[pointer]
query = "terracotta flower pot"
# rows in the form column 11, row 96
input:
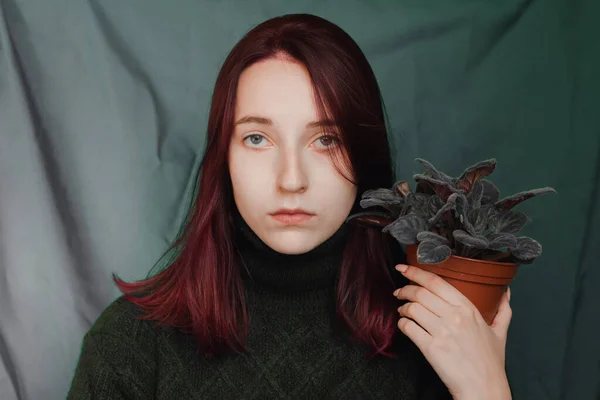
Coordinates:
column 482, row 282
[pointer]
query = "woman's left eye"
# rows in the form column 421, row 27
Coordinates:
column 326, row 141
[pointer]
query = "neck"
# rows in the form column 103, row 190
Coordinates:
column 309, row 276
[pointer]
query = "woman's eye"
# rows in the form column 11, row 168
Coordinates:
column 255, row 140
column 326, row 141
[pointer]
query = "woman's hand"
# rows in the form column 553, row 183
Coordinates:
column 466, row 353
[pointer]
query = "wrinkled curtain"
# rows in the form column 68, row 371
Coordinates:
column 103, row 106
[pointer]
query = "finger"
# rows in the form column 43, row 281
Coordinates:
column 422, row 316
column 418, row 335
column 502, row 319
column 434, row 283
column 423, row 296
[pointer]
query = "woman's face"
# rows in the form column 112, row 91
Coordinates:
column 278, row 160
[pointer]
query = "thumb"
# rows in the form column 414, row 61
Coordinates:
column 502, row 319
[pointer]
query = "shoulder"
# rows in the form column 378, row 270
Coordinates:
column 118, row 355
column 121, row 325
column 121, row 317
column 120, row 328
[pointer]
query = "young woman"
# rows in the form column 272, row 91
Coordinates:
column 268, row 293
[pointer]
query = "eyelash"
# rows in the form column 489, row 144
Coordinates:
column 334, row 139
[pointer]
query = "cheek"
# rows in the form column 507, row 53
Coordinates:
column 337, row 194
column 249, row 184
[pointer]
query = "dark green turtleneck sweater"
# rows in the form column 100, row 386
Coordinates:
column 293, row 351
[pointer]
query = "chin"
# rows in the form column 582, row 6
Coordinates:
column 293, row 243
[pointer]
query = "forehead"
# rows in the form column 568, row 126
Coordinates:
column 277, row 89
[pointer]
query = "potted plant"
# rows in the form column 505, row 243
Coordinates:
column 458, row 228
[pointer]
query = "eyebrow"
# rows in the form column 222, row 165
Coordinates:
column 267, row 121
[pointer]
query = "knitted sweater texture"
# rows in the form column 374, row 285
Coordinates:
column 294, row 349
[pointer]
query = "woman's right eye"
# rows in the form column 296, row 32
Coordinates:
column 255, row 140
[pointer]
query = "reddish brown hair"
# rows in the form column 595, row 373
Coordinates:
column 201, row 290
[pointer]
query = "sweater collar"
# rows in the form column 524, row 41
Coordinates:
column 294, row 274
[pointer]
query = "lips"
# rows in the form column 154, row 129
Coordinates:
column 292, row 216
column 292, row 211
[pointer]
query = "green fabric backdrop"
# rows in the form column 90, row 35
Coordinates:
column 103, row 107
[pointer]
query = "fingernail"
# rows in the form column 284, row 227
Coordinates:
column 396, row 292
column 401, row 267
column 508, row 293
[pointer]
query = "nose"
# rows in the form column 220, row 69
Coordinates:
column 292, row 176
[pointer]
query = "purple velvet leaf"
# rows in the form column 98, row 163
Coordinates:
column 371, row 218
column 430, row 252
column 502, row 241
column 435, row 204
column 385, row 198
column 478, row 221
column 441, row 188
column 449, row 206
column 474, row 173
column 508, row 222
column 418, row 203
column 402, row 188
column 432, row 172
column 394, row 209
column 382, row 194
column 431, row 237
column 475, row 195
column 420, row 200
column 509, row 202
column 425, row 188
column 462, row 211
column 491, row 194
column 405, row 229
column 478, row 242
column 527, row 248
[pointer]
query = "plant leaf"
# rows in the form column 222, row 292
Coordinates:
column 509, row 202
column 402, row 188
column 431, row 171
column 508, row 221
column 418, row 200
column 367, row 203
column 371, row 218
column 431, row 237
column 394, row 208
column 430, row 252
column 502, row 241
column 461, row 203
column 424, row 187
column 382, row 195
column 450, row 205
column 527, row 248
column 405, row 229
column 491, row 194
column 435, row 203
column 419, row 204
column 462, row 209
column 474, row 173
column 441, row 188
column 478, row 242
column 475, row 195
column 385, row 198
column 478, row 221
